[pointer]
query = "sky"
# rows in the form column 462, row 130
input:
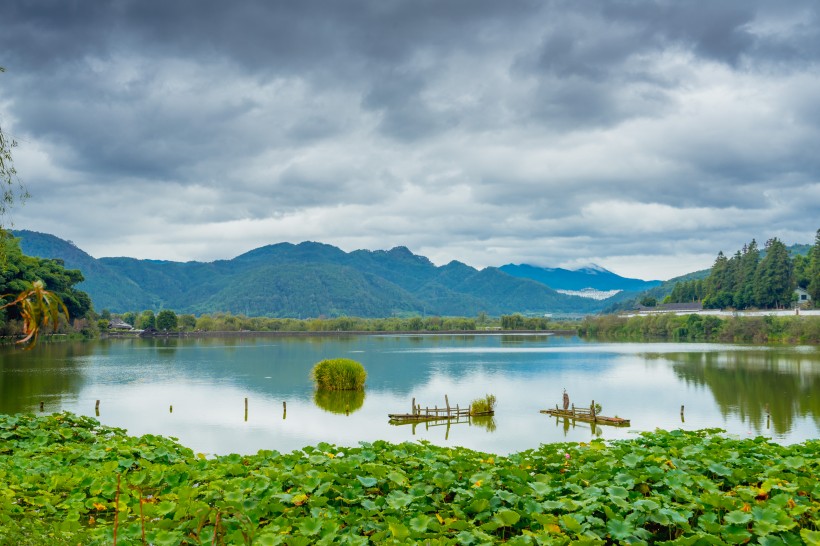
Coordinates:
column 642, row 136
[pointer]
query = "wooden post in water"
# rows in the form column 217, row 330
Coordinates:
column 573, row 410
column 682, row 420
column 171, row 409
column 41, row 406
column 246, row 409
column 97, row 408
column 768, row 417
column 284, row 410
column 413, row 404
column 447, row 402
column 592, row 410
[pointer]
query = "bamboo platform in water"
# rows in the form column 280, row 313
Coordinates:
column 587, row 415
column 436, row 413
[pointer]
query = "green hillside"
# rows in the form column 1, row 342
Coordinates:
column 306, row 280
column 107, row 288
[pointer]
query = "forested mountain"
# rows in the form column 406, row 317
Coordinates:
column 108, row 288
column 306, row 280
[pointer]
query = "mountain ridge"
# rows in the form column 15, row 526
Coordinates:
column 307, row 279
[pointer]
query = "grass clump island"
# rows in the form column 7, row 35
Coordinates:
column 338, row 374
column 483, row 405
column 68, row 480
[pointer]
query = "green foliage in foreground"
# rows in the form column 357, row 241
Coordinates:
column 66, row 479
column 338, row 374
column 669, row 327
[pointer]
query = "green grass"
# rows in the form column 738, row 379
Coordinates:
column 483, row 405
column 338, row 374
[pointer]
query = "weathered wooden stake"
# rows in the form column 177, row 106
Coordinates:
column 171, row 408
column 682, row 419
column 246, row 408
column 97, row 405
column 447, row 402
column 592, row 410
column 284, row 410
column 41, row 406
column 414, row 406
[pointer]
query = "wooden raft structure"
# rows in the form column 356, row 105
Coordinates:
column 588, row 415
column 435, row 413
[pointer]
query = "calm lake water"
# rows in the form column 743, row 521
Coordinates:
column 207, row 380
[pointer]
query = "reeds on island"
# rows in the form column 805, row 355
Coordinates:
column 483, row 405
column 338, row 374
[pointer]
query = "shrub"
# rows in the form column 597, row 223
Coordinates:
column 483, row 405
column 338, row 374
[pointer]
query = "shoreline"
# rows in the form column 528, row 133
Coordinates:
column 332, row 333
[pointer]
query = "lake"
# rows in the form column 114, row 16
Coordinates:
column 206, row 381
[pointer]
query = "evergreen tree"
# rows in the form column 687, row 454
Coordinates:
column 774, row 282
column 749, row 260
column 814, row 271
column 719, row 284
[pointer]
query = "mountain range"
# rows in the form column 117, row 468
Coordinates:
column 312, row 279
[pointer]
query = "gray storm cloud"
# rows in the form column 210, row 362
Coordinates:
column 644, row 136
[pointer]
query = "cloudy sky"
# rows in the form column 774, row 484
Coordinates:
column 643, row 136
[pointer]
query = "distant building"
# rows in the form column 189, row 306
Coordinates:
column 119, row 324
column 803, row 297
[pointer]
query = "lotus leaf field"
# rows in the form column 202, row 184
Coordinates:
column 65, row 479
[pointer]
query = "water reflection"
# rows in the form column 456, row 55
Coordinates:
column 206, row 381
column 48, row 373
column 567, row 425
column 345, row 402
column 485, row 421
column 768, row 389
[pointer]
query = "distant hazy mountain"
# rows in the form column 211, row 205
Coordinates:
column 307, row 280
column 592, row 276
